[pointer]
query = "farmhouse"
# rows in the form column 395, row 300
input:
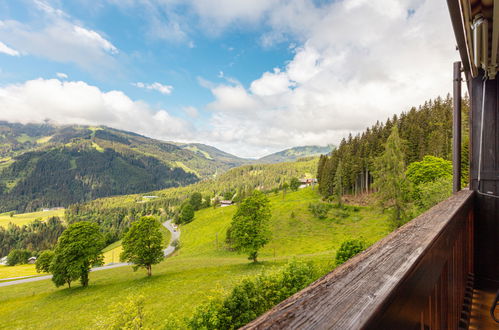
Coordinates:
column 31, row 260
column 226, row 203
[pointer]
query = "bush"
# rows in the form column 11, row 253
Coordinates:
column 251, row 298
column 176, row 244
column 348, row 249
column 319, row 210
column 126, row 315
column 18, row 256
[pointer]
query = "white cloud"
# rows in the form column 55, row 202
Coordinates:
column 163, row 89
column 61, row 75
column 360, row 61
column 76, row 102
column 7, row 50
column 54, row 35
column 191, row 111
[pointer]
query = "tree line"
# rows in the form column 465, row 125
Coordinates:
column 426, row 130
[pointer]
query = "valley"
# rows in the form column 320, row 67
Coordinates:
column 200, row 268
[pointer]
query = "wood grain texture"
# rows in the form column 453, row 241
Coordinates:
column 407, row 263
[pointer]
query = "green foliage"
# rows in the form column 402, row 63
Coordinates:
column 143, row 244
column 18, row 257
column 249, row 229
column 126, row 315
column 35, row 236
column 44, row 261
column 431, row 193
column 253, row 297
column 294, row 184
column 348, row 249
column 78, row 249
column 319, row 210
column 390, row 179
column 196, row 201
column 186, row 214
column 429, row 169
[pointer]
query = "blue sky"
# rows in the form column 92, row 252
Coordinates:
column 249, row 77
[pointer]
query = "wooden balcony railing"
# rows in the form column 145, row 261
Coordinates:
column 415, row 278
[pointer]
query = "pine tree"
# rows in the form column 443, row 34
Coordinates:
column 390, row 179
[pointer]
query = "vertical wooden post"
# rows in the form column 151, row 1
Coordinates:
column 456, row 129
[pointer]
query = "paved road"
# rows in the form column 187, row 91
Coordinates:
column 169, row 250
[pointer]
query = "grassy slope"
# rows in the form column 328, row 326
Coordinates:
column 19, row 270
column 182, row 282
column 25, row 218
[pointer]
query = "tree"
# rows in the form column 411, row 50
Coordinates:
column 428, row 170
column 338, row 184
column 44, row 261
column 249, row 228
column 186, row 213
column 285, row 187
column 143, row 244
column 390, row 179
column 79, row 248
column 18, row 256
column 294, row 184
column 196, row 200
column 348, row 249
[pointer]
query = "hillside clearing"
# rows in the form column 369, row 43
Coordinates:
column 26, row 218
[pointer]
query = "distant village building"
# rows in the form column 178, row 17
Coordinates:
column 3, row 261
column 226, row 203
column 53, row 209
column 307, row 183
column 31, row 260
column 149, row 197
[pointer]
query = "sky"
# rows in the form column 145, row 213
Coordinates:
column 250, row 77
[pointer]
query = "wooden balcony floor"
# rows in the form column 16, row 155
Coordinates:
column 480, row 310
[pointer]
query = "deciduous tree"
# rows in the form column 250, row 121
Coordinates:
column 249, row 228
column 143, row 244
column 79, row 249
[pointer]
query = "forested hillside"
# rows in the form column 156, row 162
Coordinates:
column 295, row 153
column 114, row 214
column 46, row 165
column 426, row 130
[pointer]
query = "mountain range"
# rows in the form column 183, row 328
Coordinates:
column 45, row 165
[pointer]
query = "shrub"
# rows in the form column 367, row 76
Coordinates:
column 252, row 297
column 126, row 315
column 17, row 257
column 348, row 249
column 319, row 210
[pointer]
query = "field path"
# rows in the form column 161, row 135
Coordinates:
column 168, row 251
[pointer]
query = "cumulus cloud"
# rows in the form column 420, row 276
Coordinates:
column 163, row 89
column 61, row 75
column 360, row 61
column 7, row 50
column 54, row 35
column 76, row 102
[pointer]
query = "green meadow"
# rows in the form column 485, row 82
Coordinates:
column 201, row 268
column 25, row 218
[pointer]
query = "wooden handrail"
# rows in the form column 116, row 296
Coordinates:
column 413, row 277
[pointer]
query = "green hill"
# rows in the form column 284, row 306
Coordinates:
column 202, row 268
column 44, row 165
column 295, row 153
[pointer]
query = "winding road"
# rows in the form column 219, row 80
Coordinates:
column 26, row 279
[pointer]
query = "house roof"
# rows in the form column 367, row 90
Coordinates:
column 476, row 27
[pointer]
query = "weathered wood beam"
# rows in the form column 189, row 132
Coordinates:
column 392, row 278
column 456, row 129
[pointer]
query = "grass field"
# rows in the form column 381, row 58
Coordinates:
column 25, row 218
column 201, row 268
column 15, row 271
